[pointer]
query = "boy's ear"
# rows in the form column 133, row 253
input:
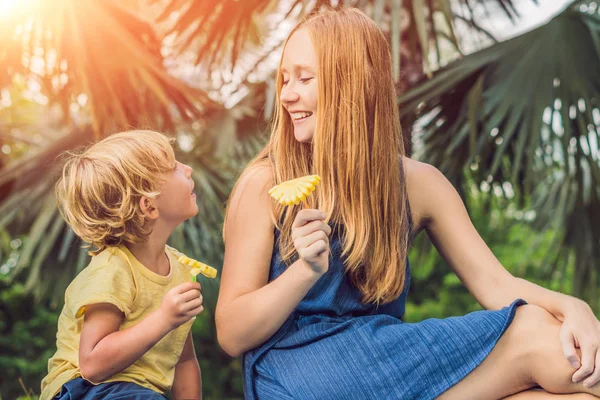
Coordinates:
column 148, row 208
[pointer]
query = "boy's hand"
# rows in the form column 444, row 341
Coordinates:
column 181, row 304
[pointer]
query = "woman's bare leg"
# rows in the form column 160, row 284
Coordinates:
column 535, row 394
column 528, row 354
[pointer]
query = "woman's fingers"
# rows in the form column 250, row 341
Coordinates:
column 306, row 241
column 310, row 234
column 317, row 248
column 568, row 344
column 595, row 377
column 309, row 228
column 588, row 359
column 308, row 215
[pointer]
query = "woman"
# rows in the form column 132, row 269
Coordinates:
column 313, row 297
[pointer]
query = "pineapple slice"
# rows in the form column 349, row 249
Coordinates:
column 296, row 190
column 198, row 267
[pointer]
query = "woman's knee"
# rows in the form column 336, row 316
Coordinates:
column 535, row 322
column 542, row 351
column 534, row 331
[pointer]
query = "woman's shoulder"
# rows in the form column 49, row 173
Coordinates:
column 426, row 186
column 253, row 185
column 250, row 202
column 415, row 170
column 256, row 176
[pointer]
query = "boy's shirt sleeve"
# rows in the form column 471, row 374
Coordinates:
column 108, row 283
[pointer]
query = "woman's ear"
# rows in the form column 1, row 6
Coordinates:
column 148, row 208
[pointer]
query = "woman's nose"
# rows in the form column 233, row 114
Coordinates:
column 288, row 95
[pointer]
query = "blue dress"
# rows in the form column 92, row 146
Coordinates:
column 333, row 347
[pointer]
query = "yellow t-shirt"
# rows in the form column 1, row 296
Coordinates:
column 115, row 276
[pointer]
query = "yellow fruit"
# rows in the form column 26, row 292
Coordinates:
column 198, row 267
column 296, row 190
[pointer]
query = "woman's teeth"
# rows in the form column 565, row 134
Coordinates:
column 298, row 116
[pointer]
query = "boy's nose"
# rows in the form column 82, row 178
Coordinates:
column 188, row 170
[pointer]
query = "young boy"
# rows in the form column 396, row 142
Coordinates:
column 124, row 331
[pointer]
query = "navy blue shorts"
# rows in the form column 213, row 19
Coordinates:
column 80, row 389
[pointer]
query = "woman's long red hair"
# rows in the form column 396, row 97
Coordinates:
column 357, row 149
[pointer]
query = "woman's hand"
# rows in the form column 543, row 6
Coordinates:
column 310, row 234
column 581, row 329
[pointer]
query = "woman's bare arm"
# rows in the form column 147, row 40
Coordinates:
column 249, row 311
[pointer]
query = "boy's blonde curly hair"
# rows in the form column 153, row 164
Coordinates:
column 101, row 186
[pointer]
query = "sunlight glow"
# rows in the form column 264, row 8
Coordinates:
column 9, row 8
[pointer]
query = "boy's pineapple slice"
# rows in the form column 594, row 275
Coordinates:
column 198, row 267
column 296, row 190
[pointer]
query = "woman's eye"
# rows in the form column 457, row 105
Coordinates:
column 304, row 80
column 285, row 83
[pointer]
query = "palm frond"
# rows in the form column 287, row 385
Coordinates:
column 524, row 112
column 99, row 56
column 415, row 28
column 215, row 29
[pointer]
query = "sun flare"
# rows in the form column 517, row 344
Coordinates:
column 6, row 6
column 10, row 8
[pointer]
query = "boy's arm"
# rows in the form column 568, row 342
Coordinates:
column 104, row 350
column 188, row 380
